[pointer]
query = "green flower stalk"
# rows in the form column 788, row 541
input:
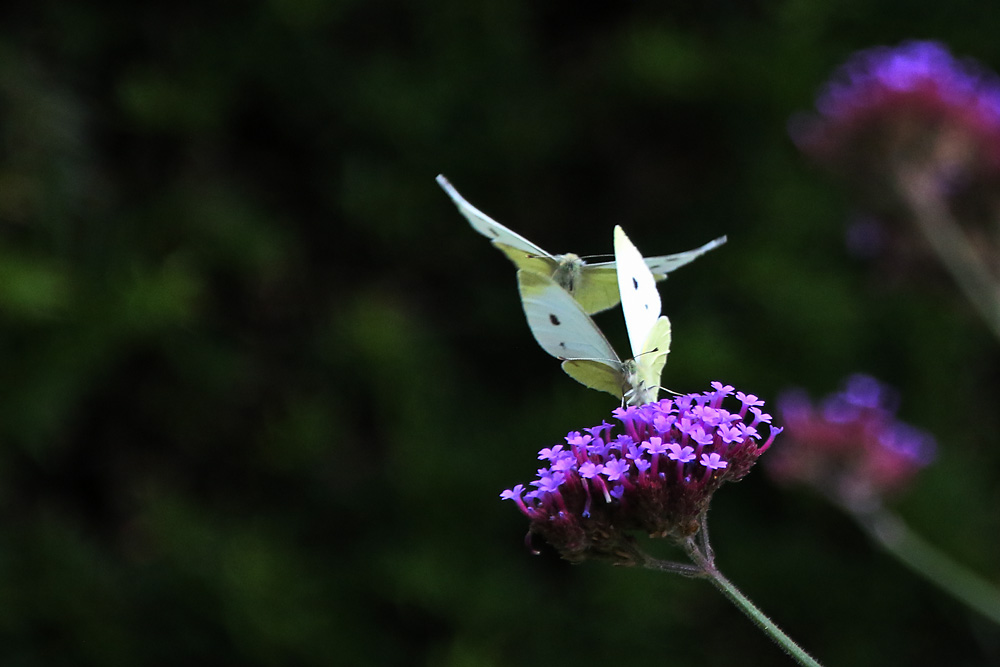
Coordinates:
column 853, row 451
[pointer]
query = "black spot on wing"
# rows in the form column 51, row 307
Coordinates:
column 554, row 320
column 635, row 284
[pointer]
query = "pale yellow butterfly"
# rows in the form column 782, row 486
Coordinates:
column 594, row 286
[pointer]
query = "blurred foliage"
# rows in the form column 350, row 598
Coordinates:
column 262, row 385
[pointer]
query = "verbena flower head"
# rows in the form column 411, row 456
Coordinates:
column 850, row 446
column 913, row 102
column 655, row 472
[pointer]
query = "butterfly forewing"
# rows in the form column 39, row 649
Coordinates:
column 640, row 298
column 559, row 324
column 486, row 225
column 664, row 264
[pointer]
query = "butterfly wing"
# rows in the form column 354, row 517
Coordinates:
column 566, row 332
column 637, row 287
column 597, row 286
column 597, row 375
column 664, row 264
column 531, row 262
column 650, row 362
column 489, row 227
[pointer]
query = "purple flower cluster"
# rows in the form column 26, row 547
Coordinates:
column 657, row 475
column 850, row 446
column 913, row 98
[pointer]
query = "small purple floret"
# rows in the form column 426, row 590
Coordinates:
column 615, row 469
column 681, row 454
column 700, row 437
column 713, row 461
column 654, row 446
column 549, row 454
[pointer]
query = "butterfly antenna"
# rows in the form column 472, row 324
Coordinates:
column 655, row 349
column 604, row 256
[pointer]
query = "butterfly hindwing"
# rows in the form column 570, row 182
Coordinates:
column 596, row 287
column 597, row 375
column 650, row 362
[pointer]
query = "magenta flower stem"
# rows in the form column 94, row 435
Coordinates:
column 893, row 535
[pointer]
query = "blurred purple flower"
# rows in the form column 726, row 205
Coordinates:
column 658, row 476
column 904, row 126
column 914, row 100
column 850, row 445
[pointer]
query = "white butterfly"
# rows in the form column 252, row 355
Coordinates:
column 566, row 332
column 594, row 286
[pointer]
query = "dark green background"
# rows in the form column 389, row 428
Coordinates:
column 261, row 385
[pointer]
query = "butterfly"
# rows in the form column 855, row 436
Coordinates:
column 567, row 332
column 594, row 286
